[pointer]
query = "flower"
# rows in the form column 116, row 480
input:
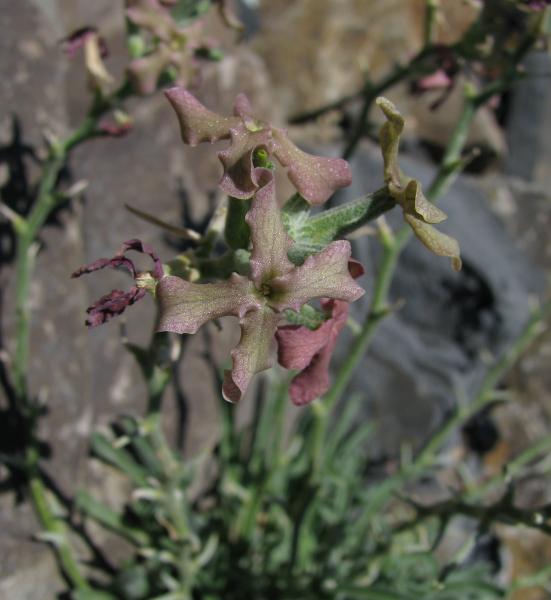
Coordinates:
column 114, row 303
column 273, row 285
column 316, row 178
column 419, row 213
column 172, row 47
column 310, row 352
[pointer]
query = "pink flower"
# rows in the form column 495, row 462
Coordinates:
column 315, row 177
column 273, row 285
column 310, row 352
column 171, row 46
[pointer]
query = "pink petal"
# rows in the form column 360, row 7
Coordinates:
column 269, row 240
column 150, row 15
column 253, row 353
column 316, row 178
column 438, row 80
column 144, row 72
column 185, row 306
column 198, row 123
column 239, row 178
column 323, row 275
column 297, row 345
column 311, row 351
column 242, row 107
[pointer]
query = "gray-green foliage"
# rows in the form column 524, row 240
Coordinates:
column 313, row 233
column 267, row 523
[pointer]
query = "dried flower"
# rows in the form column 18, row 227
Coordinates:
column 274, row 284
column 316, row 178
column 114, row 303
column 419, row 213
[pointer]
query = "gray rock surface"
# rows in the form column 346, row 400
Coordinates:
column 529, row 122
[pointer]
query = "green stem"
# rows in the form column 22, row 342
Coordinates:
column 27, row 231
column 53, row 525
column 431, row 14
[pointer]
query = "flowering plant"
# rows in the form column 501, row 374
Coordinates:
column 272, row 510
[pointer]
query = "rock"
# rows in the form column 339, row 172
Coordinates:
column 528, row 123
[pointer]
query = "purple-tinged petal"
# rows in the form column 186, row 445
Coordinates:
column 112, row 305
column 439, row 80
column 270, row 241
column 310, row 351
column 185, row 306
column 316, row 178
column 239, row 178
column 144, row 72
column 76, row 41
column 242, row 107
column 297, row 345
column 114, row 129
column 323, row 275
column 198, row 123
column 139, row 246
column 253, row 353
column 151, row 16
column 101, row 263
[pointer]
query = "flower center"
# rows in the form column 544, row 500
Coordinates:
column 265, row 290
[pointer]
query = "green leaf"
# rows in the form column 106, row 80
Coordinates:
column 109, row 519
column 313, row 234
column 104, row 450
column 307, row 316
column 92, row 595
column 188, row 10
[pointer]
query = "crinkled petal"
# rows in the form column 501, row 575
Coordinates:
column 311, row 351
column 239, row 177
column 139, row 246
column 112, row 305
column 270, row 241
column 152, row 16
column 144, row 72
column 323, row 275
column 414, row 202
column 198, row 123
column 297, row 345
column 253, row 353
column 389, row 137
column 316, row 178
column 242, row 107
column 435, row 240
column 185, row 306
column 101, row 263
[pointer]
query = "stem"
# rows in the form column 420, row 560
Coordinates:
column 27, row 231
column 431, row 14
column 53, row 525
